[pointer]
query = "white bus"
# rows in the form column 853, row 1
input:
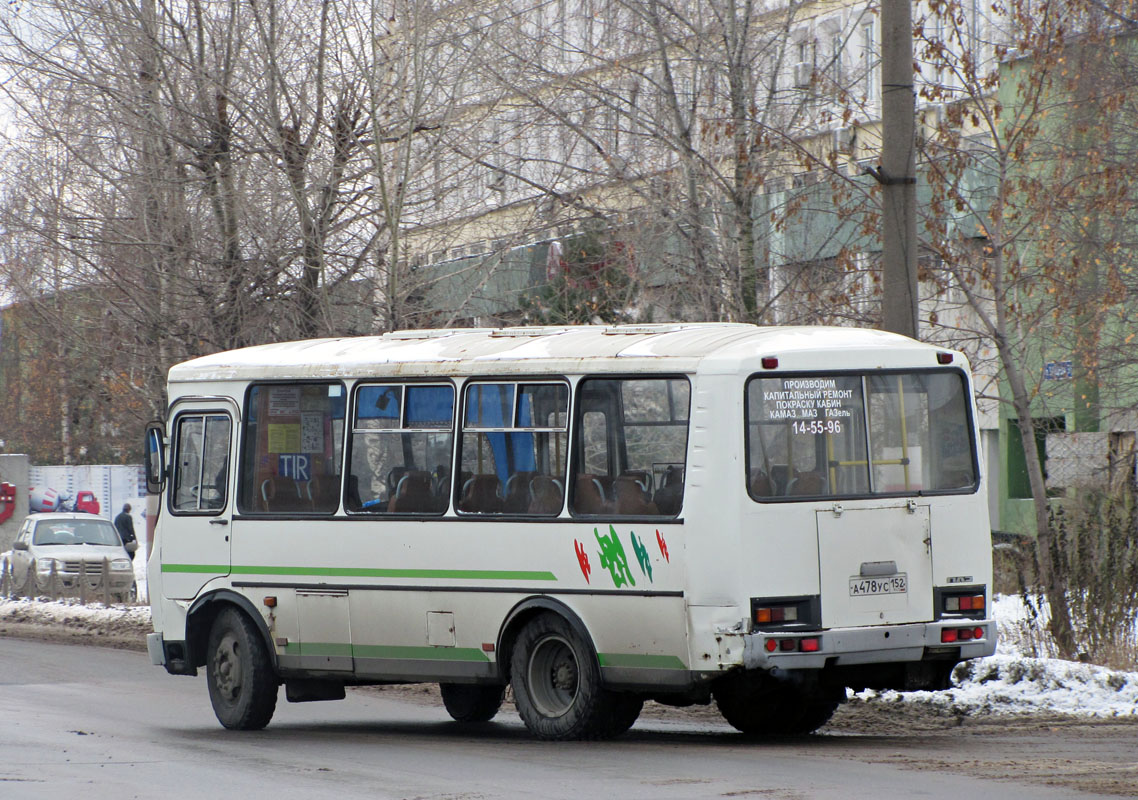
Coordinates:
column 595, row 516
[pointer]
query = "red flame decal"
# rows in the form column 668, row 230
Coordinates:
column 582, row 559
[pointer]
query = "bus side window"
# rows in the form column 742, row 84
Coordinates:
column 402, row 436
column 514, row 448
column 630, row 447
column 293, row 441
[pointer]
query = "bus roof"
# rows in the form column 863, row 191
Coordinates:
column 678, row 347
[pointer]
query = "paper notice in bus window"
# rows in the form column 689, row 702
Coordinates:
column 818, row 404
column 312, row 432
column 284, row 401
column 284, row 438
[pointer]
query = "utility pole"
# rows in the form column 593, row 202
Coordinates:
column 898, row 171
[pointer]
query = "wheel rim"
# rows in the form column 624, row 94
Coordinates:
column 227, row 668
column 552, row 675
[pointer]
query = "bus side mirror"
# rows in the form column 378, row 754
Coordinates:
column 155, row 457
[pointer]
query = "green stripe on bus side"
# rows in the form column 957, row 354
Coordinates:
column 366, row 572
column 386, row 651
column 420, row 653
column 330, row 649
column 638, row 661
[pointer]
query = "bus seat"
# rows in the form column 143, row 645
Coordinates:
column 589, row 495
column 352, row 501
column 517, row 492
column 669, row 497
column 641, row 476
column 481, row 495
column 393, row 477
column 781, row 477
column 324, row 492
column 279, row 494
column 761, row 484
column 440, row 481
column 413, row 494
column 632, row 499
column 546, row 495
column 807, row 483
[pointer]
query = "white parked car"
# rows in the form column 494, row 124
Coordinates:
column 64, row 543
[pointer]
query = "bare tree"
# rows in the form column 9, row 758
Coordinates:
column 1029, row 209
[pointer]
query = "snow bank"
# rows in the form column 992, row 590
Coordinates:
column 1010, row 684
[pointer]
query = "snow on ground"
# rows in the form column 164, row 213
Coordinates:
column 1007, row 683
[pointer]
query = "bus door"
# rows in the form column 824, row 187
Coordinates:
column 876, row 565
column 194, row 539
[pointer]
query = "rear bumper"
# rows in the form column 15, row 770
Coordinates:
column 838, row 647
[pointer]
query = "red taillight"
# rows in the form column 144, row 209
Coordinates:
column 950, row 635
column 770, row 362
column 812, row 644
column 944, row 358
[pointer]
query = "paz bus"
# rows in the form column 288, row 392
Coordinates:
column 595, row 516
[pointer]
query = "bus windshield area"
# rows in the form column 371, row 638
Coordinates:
column 830, row 436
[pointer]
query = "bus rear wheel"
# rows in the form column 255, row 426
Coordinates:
column 471, row 703
column 758, row 705
column 557, row 685
column 239, row 673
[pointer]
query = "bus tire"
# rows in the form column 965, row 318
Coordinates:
column 470, row 702
column 557, row 684
column 758, row 705
column 624, row 710
column 239, row 673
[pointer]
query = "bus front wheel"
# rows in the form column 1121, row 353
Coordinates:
column 557, row 685
column 471, row 703
column 239, row 673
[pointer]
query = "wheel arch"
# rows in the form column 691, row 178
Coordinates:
column 204, row 610
column 522, row 613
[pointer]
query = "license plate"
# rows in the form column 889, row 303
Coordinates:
column 886, row 584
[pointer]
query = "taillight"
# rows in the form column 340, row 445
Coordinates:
column 764, row 615
column 943, row 358
column 770, row 362
column 951, row 635
column 955, row 603
column 791, row 644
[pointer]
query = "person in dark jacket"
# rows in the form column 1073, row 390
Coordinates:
column 124, row 524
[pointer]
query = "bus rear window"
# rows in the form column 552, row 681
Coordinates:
column 819, row 436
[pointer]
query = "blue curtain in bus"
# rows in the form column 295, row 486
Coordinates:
column 430, row 406
column 491, row 405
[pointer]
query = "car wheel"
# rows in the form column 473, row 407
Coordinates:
column 557, row 685
column 239, row 673
column 471, row 703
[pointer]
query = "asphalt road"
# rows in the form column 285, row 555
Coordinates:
column 91, row 722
